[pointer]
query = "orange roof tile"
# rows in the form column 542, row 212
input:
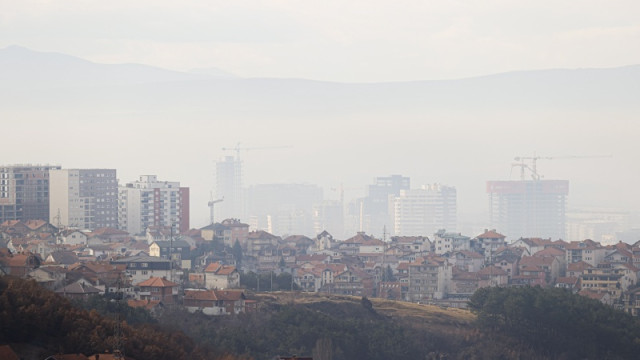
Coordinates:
column 200, row 295
column 490, row 234
column 157, row 282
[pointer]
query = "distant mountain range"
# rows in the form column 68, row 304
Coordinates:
column 24, row 68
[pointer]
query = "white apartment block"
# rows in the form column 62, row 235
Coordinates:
column 423, row 211
column 149, row 202
column 83, row 198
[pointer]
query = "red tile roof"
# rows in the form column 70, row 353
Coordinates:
column 550, row 251
column 490, row 234
column 492, row 270
column 202, row 295
column 157, row 282
column 578, row 266
column 229, row 295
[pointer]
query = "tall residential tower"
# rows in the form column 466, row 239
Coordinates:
column 83, row 198
column 24, row 192
column 149, row 202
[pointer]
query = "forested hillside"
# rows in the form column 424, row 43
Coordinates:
column 505, row 323
column 32, row 315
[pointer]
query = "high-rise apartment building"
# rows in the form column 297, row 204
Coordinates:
column 24, row 192
column 149, row 202
column 528, row 208
column 83, row 198
column 374, row 215
column 423, row 211
column 229, row 188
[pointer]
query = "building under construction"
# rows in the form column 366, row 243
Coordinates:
column 529, row 208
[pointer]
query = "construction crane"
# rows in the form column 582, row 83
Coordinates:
column 211, row 204
column 237, row 149
column 521, row 163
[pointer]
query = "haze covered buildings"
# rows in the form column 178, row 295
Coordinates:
column 529, row 208
column 229, row 188
column 149, row 202
column 424, row 211
column 283, row 208
column 24, row 192
column 83, row 198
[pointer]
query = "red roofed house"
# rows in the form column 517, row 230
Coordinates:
column 19, row 264
column 490, row 241
column 218, row 276
column 107, row 235
column 215, row 302
column 492, row 276
column 158, row 289
column 353, row 281
column 548, row 264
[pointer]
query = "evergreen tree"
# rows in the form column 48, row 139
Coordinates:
column 237, row 252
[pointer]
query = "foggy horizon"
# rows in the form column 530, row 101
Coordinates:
column 438, row 92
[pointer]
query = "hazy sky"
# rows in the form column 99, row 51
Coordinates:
column 347, row 41
column 333, row 138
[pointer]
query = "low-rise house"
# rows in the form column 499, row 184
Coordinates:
column 49, row 277
column 215, row 302
column 491, row 276
column 619, row 256
column 107, row 235
column 62, row 258
column 568, row 282
column 308, row 279
column 588, row 251
column 470, row 261
column 73, row 237
column 603, row 279
column 218, row 276
column 102, row 275
column 300, row 243
column 548, row 264
column 559, row 254
column 227, row 232
column 463, row 283
column 603, row 297
column 415, row 244
column 179, row 251
column 444, row 242
column 323, row 241
column 141, row 268
column 577, row 269
column 631, row 302
column 352, row 281
column 19, row 264
column 259, row 241
column 532, row 245
column 429, row 278
column 490, row 241
column 507, row 261
column 158, row 289
column 78, row 290
column 629, row 275
column 529, row 277
column 352, row 245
